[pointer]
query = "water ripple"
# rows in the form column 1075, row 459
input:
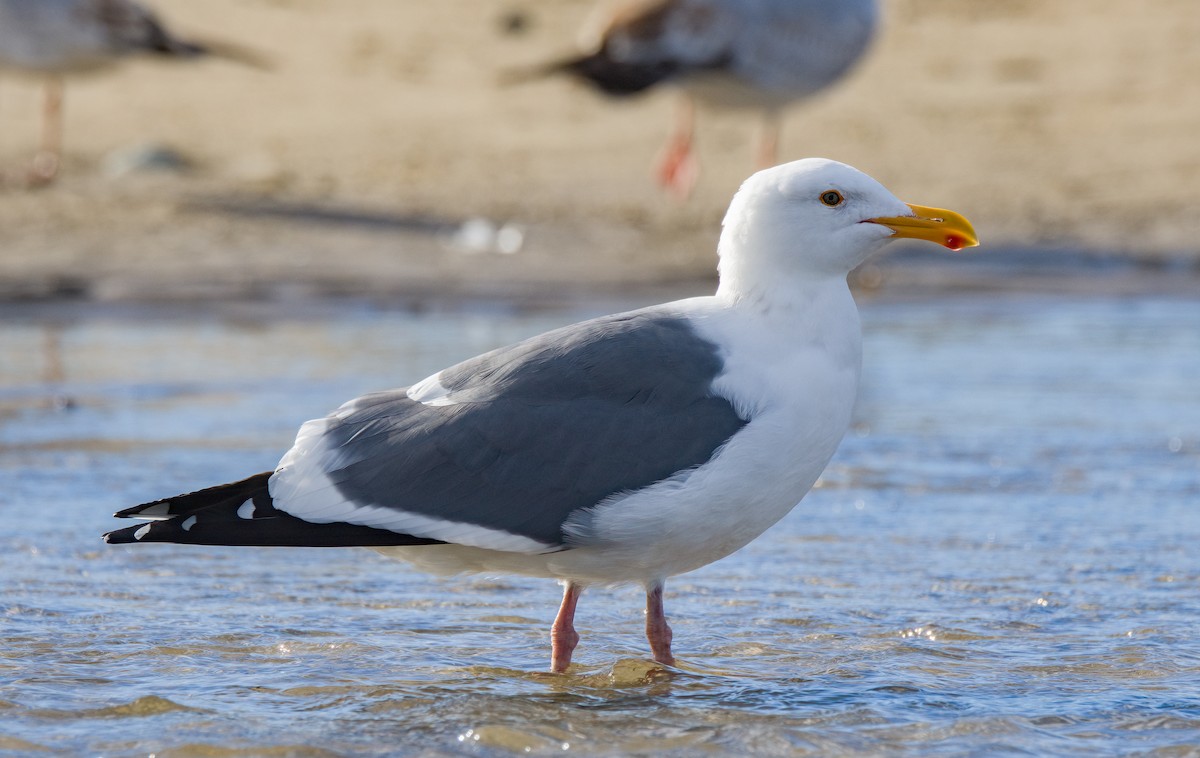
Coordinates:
column 1000, row 560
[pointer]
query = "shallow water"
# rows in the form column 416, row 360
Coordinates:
column 1001, row 558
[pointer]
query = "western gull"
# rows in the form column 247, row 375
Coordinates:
column 59, row 37
column 624, row 449
column 757, row 54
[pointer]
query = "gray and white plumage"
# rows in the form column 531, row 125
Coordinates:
column 74, row 36
column 758, row 54
column 628, row 448
column 528, row 438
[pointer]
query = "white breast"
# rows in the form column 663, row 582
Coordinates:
column 795, row 375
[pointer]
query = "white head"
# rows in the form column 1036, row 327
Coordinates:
column 816, row 219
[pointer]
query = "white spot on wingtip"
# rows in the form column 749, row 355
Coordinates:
column 141, row 532
column 188, row 523
column 246, row 509
column 156, row 512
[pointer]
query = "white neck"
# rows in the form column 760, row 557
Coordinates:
column 764, row 262
column 759, row 282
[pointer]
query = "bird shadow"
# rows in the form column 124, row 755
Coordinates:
column 324, row 215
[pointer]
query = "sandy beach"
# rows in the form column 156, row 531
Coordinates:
column 383, row 128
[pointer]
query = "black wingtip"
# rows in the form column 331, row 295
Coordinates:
column 182, row 505
column 241, row 513
column 151, row 531
column 133, row 511
column 609, row 76
column 125, row 536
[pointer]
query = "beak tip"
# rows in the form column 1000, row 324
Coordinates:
column 946, row 228
column 957, row 243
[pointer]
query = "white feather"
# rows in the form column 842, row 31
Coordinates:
column 246, row 510
column 430, row 391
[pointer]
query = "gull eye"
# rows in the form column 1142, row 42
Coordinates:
column 832, row 198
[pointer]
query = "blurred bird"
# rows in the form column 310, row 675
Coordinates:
column 59, row 37
column 759, row 54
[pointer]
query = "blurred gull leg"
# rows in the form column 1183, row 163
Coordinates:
column 677, row 168
column 46, row 162
column 768, row 140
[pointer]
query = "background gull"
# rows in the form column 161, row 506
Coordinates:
column 60, row 37
column 625, row 449
column 757, row 54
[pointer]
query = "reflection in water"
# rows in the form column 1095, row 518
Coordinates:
column 52, row 362
column 54, row 373
column 1000, row 558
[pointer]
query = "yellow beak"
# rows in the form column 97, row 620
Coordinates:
column 944, row 227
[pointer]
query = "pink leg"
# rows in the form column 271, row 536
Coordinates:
column 657, row 630
column 563, row 637
column 676, row 167
column 768, row 141
column 46, row 162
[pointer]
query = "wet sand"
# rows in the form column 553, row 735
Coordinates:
column 383, row 127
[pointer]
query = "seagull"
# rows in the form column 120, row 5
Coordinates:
column 629, row 448
column 755, row 54
column 59, row 37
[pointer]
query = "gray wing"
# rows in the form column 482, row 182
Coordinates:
column 797, row 47
column 134, row 28
column 80, row 35
column 500, row 450
column 639, row 43
column 787, row 47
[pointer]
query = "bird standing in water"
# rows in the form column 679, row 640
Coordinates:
column 628, row 448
